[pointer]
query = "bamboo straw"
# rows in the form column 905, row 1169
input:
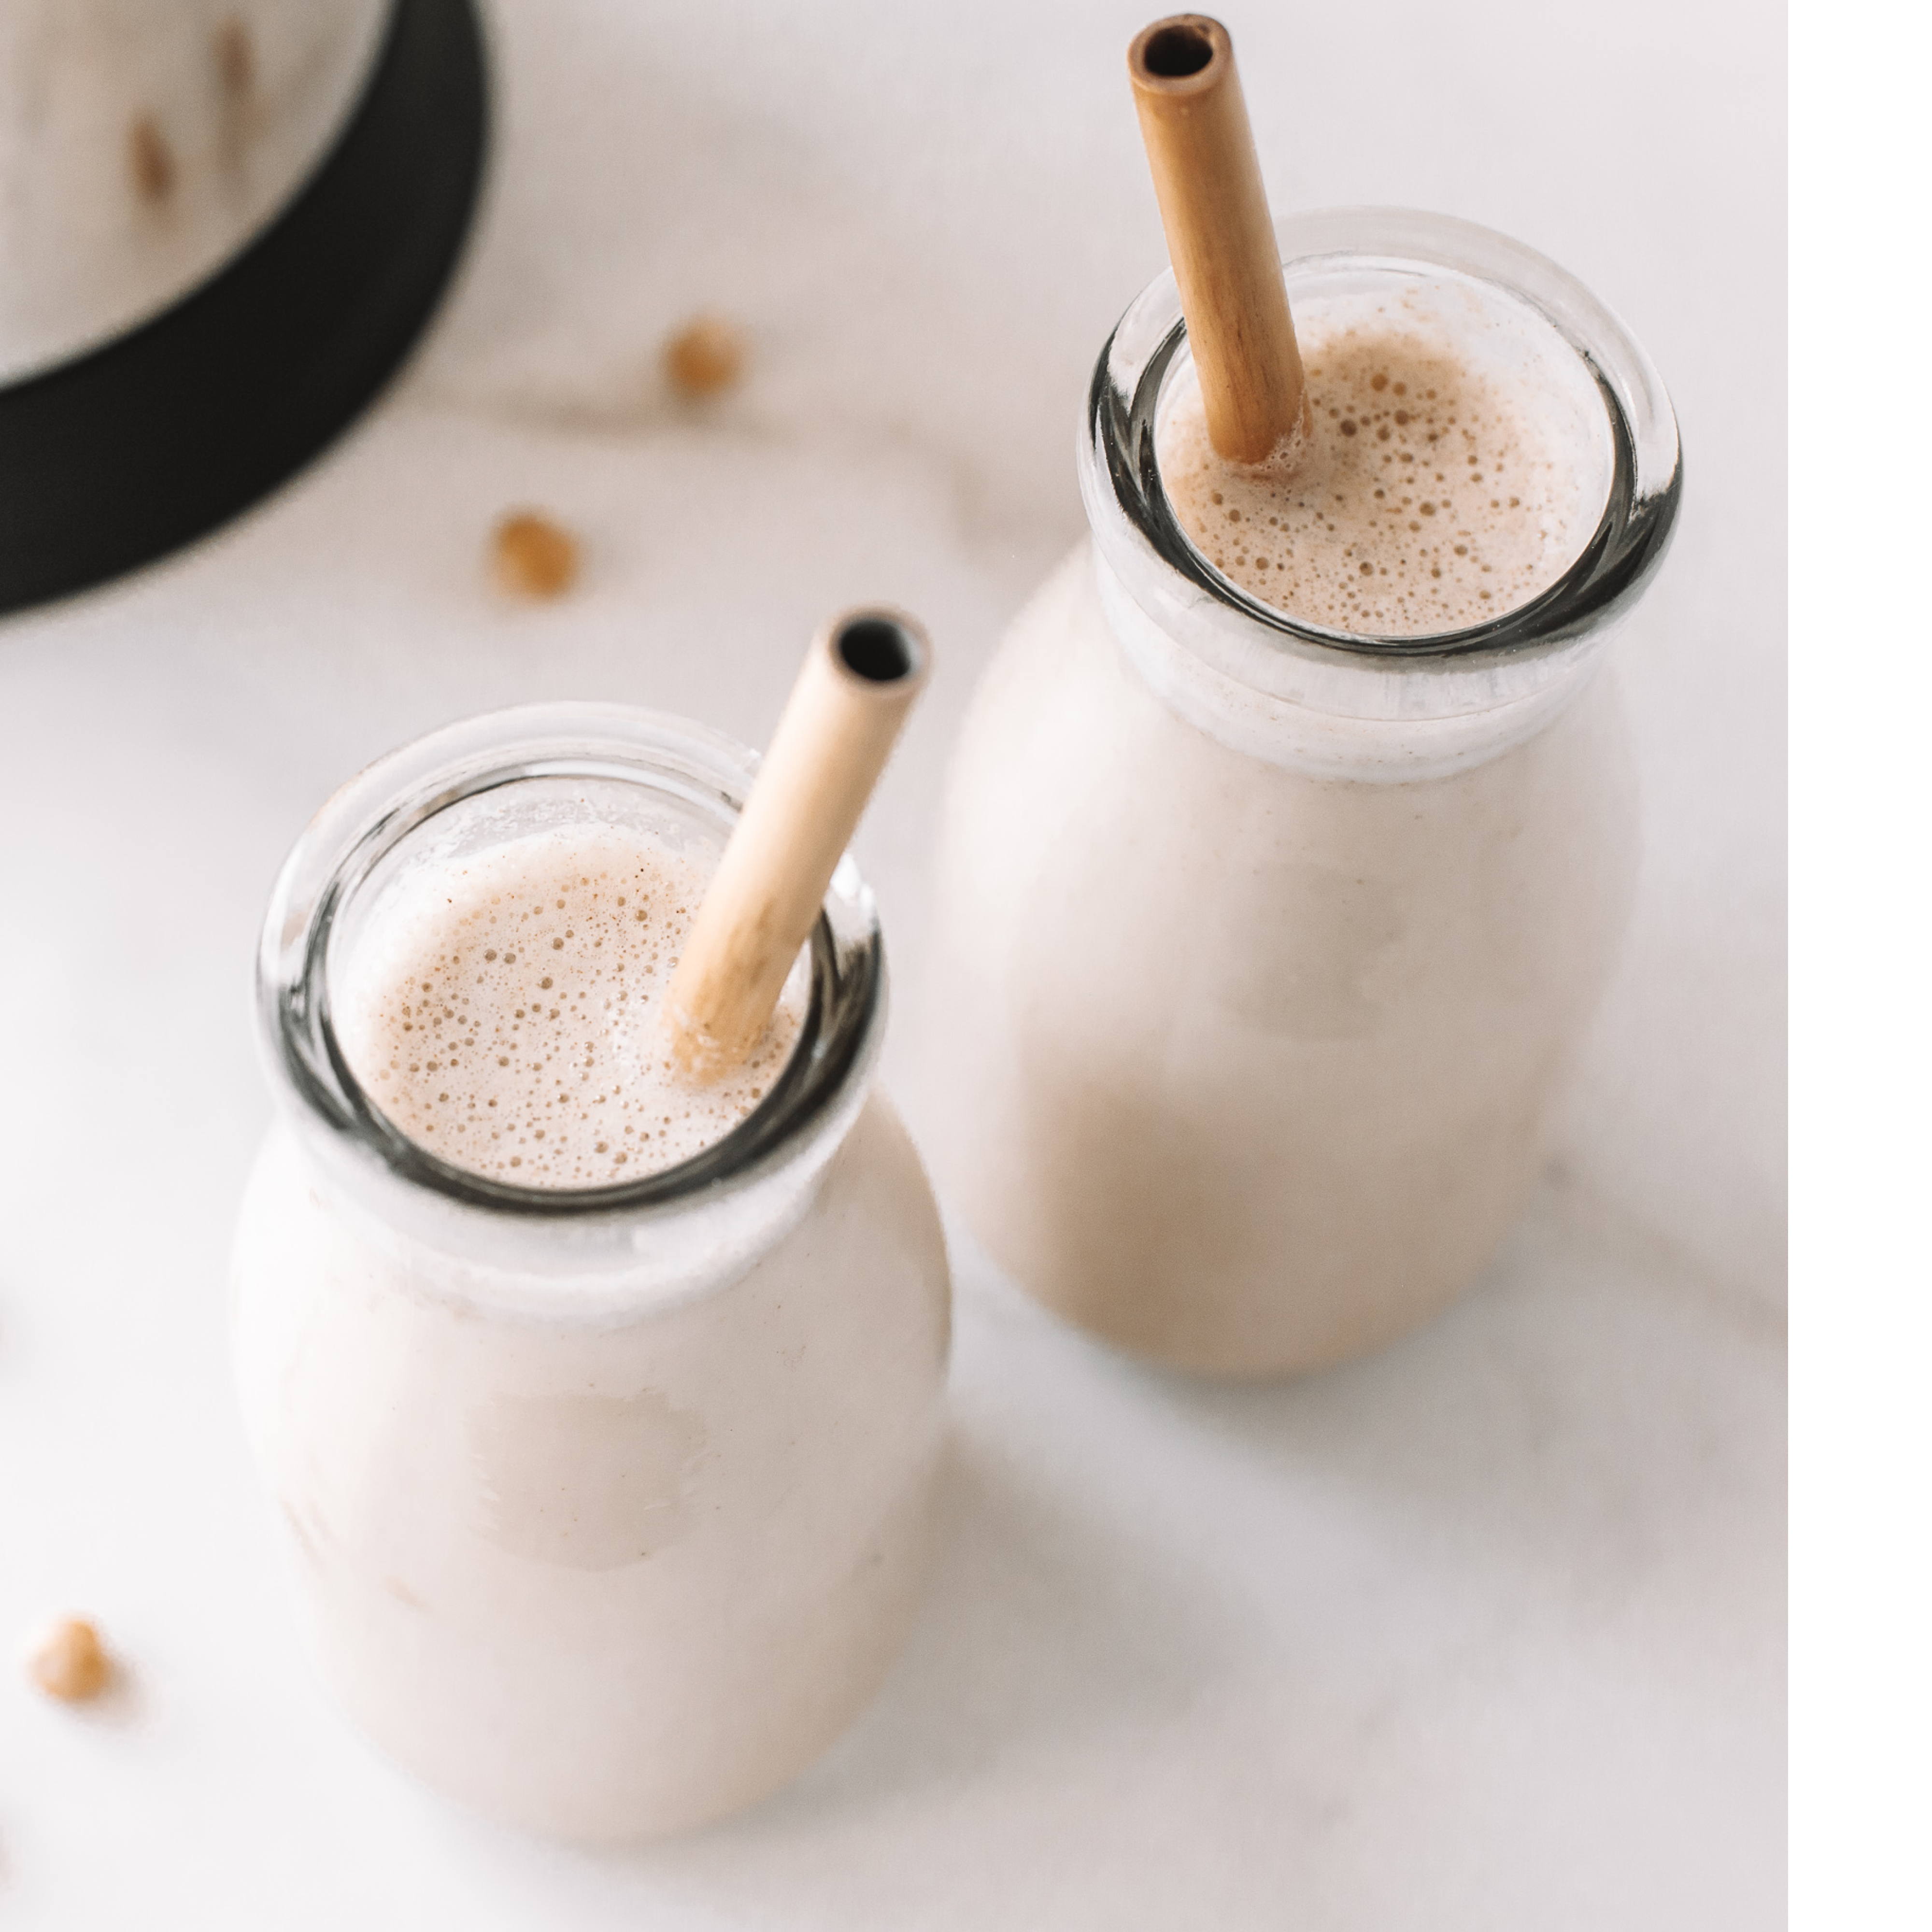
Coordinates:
column 1194, row 124
column 860, row 676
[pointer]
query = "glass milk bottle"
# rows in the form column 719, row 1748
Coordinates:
column 607, row 1506
column 1262, row 944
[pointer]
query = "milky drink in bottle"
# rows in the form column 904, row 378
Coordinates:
column 600, row 1407
column 1291, row 832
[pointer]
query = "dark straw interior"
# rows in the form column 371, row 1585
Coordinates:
column 877, row 649
column 1175, row 53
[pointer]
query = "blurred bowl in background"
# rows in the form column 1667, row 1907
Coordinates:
column 223, row 223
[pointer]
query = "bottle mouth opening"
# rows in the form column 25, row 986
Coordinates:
column 483, row 768
column 1131, row 380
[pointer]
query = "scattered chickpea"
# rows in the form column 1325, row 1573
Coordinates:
column 150, row 160
column 705, row 356
column 66, row 1661
column 235, row 58
column 533, row 557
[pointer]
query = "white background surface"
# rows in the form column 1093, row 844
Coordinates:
column 1487, row 1632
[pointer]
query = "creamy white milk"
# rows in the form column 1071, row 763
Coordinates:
column 604, row 1524
column 1457, row 466
column 506, row 1014
column 1242, row 1066
column 1257, row 964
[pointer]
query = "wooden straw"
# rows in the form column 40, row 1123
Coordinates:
column 1194, row 125
column 863, row 671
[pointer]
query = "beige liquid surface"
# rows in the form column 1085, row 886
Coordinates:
column 1441, row 485
column 505, row 1013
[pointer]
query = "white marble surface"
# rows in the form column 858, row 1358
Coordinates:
column 1485, row 1633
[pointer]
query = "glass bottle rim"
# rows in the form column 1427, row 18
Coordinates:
column 405, row 791
column 1118, row 458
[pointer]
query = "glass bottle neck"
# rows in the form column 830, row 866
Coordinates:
column 454, row 793
column 1361, row 722
column 1290, row 691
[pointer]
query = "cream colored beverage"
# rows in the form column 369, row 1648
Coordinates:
column 600, row 1410
column 1455, row 467
column 508, row 1017
column 1291, row 832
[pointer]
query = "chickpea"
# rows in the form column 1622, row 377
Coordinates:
column 532, row 556
column 706, row 356
column 66, row 1660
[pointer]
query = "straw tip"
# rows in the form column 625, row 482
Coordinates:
column 1181, row 54
column 879, row 646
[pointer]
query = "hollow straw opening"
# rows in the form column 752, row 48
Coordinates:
column 876, row 648
column 1176, row 52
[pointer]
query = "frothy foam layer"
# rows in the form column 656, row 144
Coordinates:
column 504, row 1012
column 1460, row 463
